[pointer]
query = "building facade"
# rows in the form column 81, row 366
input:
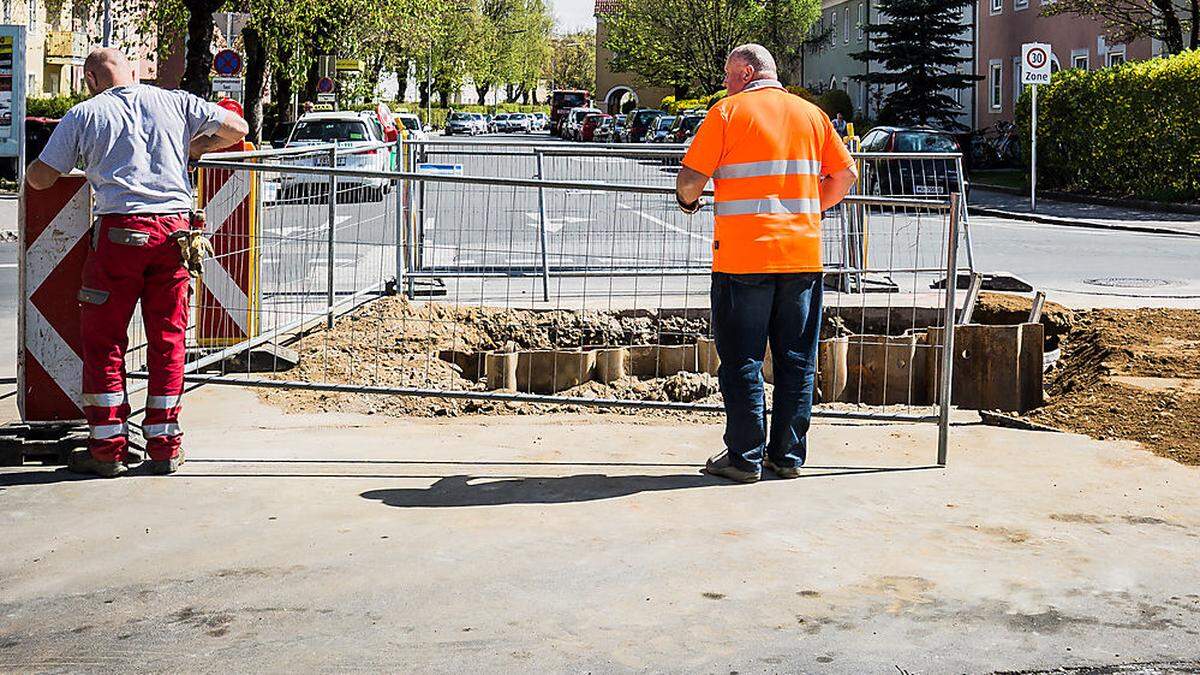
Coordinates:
column 1076, row 42
column 617, row 90
column 832, row 66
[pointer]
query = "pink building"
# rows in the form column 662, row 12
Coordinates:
column 1076, row 42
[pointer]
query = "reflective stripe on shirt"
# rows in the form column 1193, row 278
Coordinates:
column 769, row 167
column 747, row 207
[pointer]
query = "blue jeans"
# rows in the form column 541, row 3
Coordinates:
column 748, row 310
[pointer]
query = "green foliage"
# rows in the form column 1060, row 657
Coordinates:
column 682, row 44
column 674, row 106
column 573, row 64
column 53, row 107
column 918, row 45
column 836, row 101
column 802, row 93
column 1125, row 131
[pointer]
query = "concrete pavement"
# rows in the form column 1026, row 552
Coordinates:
column 592, row 543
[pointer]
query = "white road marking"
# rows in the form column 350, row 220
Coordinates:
column 665, row 225
column 555, row 224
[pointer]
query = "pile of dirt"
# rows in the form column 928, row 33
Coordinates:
column 1000, row 309
column 1130, row 374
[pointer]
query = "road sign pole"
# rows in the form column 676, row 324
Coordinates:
column 1033, row 154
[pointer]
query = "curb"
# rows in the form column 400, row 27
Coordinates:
column 1143, row 204
column 1073, row 222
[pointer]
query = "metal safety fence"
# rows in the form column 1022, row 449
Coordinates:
column 424, row 284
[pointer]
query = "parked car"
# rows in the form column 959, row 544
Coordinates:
column 540, row 121
column 574, row 123
column 642, row 123
column 911, row 177
column 462, row 124
column 280, row 134
column 662, row 126
column 483, row 123
column 412, row 126
column 587, row 131
column 513, row 122
column 619, row 128
column 685, row 126
column 353, row 132
column 605, row 131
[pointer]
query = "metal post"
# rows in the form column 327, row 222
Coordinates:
column 411, row 221
column 106, row 35
column 401, row 220
column 329, row 295
column 948, row 319
column 966, row 224
column 1033, row 154
column 542, row 234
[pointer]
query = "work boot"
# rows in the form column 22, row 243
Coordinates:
column 81, row 461
column 133, row 456
column 721, row 465
column 782, row 471
column 162, row 467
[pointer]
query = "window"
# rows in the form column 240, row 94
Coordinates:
column 1079, row 59
column 833, row 24
column 958, row 92
column 1116, row 56
column 996, row 85
column 862, row 21
column 1019, row 5
column 32, row 15
column 7, row 11
column 846, row 26
column 1017, row 86
column 997, row 6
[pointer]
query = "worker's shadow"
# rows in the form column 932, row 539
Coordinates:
column 481, row 491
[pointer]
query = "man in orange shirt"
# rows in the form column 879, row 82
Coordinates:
column 777, row 164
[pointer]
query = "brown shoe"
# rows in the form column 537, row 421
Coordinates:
column 162, row 467
column 782, row 471
column 81, row 461
column 721, row 465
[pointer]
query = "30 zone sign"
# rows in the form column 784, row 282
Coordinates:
column 1035, row 63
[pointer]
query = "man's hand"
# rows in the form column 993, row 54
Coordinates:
column 833, row 188
column 232, row 130
column 689, row 185
column 41, row 175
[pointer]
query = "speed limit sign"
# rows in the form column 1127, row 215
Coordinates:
column 1035, row 63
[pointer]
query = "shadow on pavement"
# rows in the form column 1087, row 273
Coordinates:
column 464, row 490
column 41, row 476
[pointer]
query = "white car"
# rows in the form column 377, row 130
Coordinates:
column 412, row 126
column 481, row 122
column 540, row 121
column 463, row 124
column 360, row 146
column 574, row 123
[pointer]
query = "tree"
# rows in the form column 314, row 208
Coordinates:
column 918, row 45
column 782, row 21
column 683, row 43
column 1175, row 22
column 573, row 61
column 198, row 62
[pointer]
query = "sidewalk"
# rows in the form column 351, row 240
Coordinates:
column 592, row 543
column 989, row 203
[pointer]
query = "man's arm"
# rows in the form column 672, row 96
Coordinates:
column 40, row 175
column 835, row 186
column 689, row 185
column 232, row 130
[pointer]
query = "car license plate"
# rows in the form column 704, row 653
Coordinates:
column 928, row 190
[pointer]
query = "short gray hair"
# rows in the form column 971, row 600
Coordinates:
column 756, row 56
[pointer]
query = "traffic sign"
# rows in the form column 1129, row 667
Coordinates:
column 228, row 85
column 227, row 62
column 1035, row 63
column 324, row 85
column 355, row 65
column 326, row 98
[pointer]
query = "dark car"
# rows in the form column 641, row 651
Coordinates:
column 641, row 123
column 685, row 127
column 587, row 131
column 662, row 126
column 606, row 130
column 911, row 177
column 281, row 133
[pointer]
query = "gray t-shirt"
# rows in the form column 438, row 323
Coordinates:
column 134, row 144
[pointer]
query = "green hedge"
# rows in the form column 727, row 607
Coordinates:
column 53, row 107
column 836, row 101
column 1126, row 131
column 440, row 114
column 675, row 106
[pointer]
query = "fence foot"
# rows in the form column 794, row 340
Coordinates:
column 48, row 444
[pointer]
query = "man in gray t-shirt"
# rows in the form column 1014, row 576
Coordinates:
column 133, row 142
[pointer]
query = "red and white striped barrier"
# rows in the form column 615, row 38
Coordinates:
column 54, row 245
column 228, row 297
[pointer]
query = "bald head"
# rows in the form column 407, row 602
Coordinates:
column 747, row 63
column 105, row 68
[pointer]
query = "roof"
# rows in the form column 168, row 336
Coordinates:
column 335, row 115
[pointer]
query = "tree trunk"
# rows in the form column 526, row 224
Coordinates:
column 482, row 91
column 510, row 93
column 1171, row 29
column 402, row 80
column 444, row 97
column 256, row 75
column 1195, row 32
column 283, row 96
column 423, row 93
column 198, row 61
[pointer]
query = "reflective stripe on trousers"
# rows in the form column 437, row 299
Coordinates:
column 165, row 429
column 102, row 431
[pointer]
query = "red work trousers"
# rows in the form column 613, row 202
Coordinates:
column 133, row 258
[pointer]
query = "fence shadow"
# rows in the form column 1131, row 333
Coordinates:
column 463, row 490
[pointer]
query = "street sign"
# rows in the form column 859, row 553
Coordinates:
column 227, row 85
column 324, row 85
column 12, row 96
column 227, row 62
column 350, row 65
column 441, row 169
column 326, row 98
column 1035, row 63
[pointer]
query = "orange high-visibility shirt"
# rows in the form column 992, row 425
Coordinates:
column 766, row 150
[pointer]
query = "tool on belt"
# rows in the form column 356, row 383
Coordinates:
column 194, row 247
